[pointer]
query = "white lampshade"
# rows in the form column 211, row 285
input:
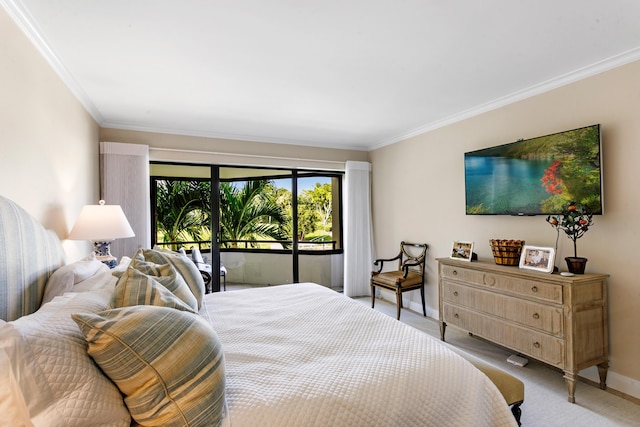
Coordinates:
column 101, row 223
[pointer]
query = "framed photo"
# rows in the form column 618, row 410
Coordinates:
column 462, row 251
column 537, row 258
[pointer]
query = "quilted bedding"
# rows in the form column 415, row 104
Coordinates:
column 304, row 355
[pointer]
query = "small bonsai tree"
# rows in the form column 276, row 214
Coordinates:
column 574, row 221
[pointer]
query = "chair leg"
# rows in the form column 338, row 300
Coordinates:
column 373, row 296
column 399, row 302
column 424, row 307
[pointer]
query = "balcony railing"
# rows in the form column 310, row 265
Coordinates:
column 253, row 244
column 248, row 265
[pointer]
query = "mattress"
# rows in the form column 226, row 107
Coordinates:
column 305, row 355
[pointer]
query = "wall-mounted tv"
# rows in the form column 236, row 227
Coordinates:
column 537, row 176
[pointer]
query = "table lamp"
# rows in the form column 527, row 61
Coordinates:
column 101, row 224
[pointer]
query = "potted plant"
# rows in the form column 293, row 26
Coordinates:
column 574, row 221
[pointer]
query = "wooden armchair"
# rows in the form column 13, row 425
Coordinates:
column 408, row 277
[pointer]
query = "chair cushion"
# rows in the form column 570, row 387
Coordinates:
column 393, row 279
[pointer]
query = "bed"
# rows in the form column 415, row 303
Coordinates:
column 143, row 345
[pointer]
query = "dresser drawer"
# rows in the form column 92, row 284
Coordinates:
column 544, row 318
column 532, row 343
column 518, row 286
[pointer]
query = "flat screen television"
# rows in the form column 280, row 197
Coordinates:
column 537, row 176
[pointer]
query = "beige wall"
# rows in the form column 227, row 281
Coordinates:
column 48, row 142
column 434, row 211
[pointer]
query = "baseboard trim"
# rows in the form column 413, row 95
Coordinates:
column 617, row 384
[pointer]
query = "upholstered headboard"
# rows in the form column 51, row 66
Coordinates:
column 29, row 254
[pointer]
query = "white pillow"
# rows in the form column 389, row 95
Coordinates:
column 64, row 278
column 101, row 280
column 197, row 256
column 16, row 361
column 54, row 381
column 119, row 269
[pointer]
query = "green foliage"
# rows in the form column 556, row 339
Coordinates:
column 182, row 211
column 315, row 210
column 251, row 212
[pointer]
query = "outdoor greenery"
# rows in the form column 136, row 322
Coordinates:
column 182, row 211
column 250, row 211
column 315, row 213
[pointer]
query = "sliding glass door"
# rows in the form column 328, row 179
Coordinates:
column 264, row 226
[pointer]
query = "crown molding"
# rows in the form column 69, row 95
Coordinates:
column 25, row 22
column 234, row 137
column 563, row 80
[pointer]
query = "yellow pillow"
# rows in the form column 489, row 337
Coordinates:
column 168, row 363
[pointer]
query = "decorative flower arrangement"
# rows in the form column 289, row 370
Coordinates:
column 574, row 221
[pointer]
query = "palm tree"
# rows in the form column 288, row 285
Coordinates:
column 182, row 210
column 250, row 212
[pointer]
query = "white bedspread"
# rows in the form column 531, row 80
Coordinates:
column 304, row 355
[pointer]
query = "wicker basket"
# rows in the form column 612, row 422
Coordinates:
column 506, row 252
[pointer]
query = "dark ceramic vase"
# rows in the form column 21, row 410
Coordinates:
column 576, row 265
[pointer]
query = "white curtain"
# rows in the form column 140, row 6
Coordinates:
column 358, row 229
column 124, row 180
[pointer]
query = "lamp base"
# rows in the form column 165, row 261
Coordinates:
column 103, row 254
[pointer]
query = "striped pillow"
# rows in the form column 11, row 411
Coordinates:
column 137, row 288
column 183, row 265
column 167, row 276
column 168, row 363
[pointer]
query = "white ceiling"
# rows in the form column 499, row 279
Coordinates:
column 355, row 74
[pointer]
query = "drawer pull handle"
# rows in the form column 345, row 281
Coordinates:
column 536, row 316
column 455, row 294
column 456, row 315
column 534, row 289
column 454, row 272
column 536, row 344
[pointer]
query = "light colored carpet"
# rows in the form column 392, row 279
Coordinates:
column 545, row 402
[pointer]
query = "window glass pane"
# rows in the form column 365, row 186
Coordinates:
column 317, row 213
column 255, row 213
column 182, row 213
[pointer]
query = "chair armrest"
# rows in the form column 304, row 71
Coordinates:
column 382, row 260
column 407, row 264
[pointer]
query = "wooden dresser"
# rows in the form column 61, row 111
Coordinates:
column 561, row 321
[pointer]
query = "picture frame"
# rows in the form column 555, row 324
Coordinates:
column 461, row 250
column 538, row 258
